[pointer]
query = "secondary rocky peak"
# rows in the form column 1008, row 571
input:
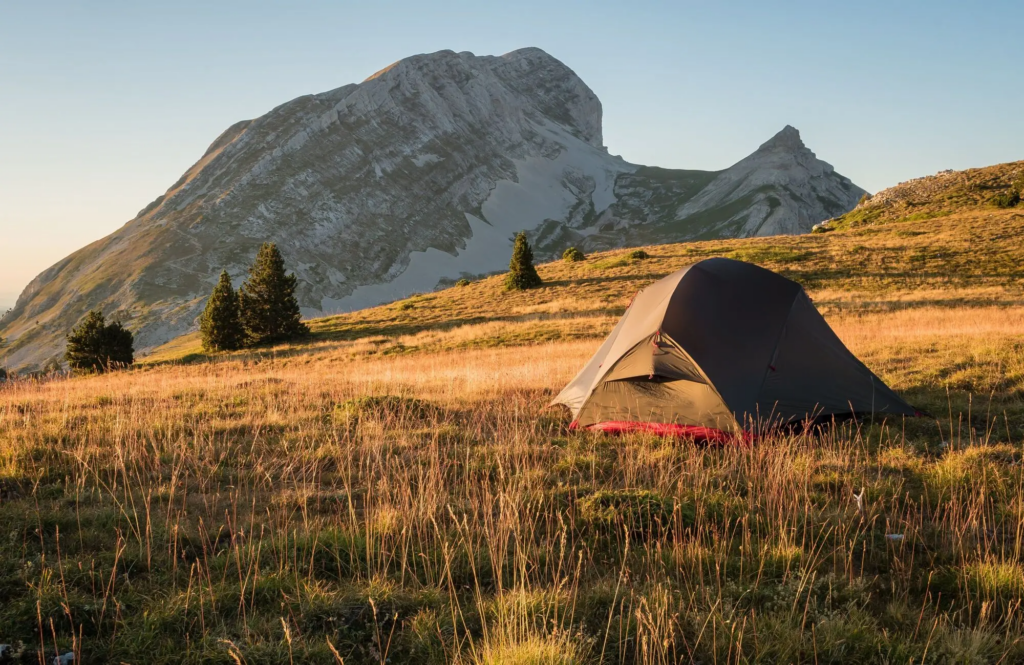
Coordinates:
column 787, row 139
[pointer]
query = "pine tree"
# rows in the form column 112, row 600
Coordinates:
column 522, row 275
column 269, row 311
column 220, row 324
column 95, row 346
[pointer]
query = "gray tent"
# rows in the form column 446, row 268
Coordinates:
column 719, row 349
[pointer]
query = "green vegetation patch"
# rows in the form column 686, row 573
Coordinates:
column 573, row 255
column 386, row 408
column 639, row 511
column 770, row 254
column 622, row 260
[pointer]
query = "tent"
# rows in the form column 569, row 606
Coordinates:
column 722, row 349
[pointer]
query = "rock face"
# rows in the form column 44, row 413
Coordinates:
column 415, row 177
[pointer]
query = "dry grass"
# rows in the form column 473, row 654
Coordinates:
column 969, row 259
column 258, row 509
column 394, row 490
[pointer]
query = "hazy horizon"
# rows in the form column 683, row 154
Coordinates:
column 106, row 106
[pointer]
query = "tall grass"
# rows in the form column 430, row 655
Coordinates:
column 265, row 510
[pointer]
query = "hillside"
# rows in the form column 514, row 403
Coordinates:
column 395, row 489
column 945, row 193
column 415, row 177
column 946, row 273
column 913, row 262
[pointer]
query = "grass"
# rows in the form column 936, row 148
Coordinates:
column 394, row 490
column 425, row 507
column 963, row 260
column 941, row 195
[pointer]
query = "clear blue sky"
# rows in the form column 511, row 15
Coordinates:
column 104, row 104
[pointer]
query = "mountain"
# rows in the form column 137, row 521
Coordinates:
column 415, row 177
column 782, row 188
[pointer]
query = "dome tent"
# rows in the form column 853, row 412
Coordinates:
column 722, row 349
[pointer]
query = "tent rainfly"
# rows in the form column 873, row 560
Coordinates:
column 719, row 350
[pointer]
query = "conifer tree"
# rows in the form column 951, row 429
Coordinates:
column 95, row 346
column 269, row 311
column 220, row 324
column 522, row 275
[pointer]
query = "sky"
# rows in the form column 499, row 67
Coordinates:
column 103, row 105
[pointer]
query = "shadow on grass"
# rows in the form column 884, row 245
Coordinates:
column 391, row 330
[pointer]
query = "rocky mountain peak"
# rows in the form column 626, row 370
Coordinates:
column 788, row 140
column 526, row 81
column 421, row 174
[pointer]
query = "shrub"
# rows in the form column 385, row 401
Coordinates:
column 220, row 324
column 638, row 255
column 573, row 255
column 864, row 198
column 95, row 346
column 462, row 282
column 269, row 311
column 522, row 275
column 1006, row 199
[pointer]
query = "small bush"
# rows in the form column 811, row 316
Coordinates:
column 638, row 255
column 1006, row 199
column 573, row 255
column 462, row 282
column 864, row 198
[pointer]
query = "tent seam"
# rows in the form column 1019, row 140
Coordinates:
column 775, row 347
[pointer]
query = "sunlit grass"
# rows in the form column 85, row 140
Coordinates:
column 396, row 490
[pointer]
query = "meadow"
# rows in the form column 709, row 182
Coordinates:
column 395, row 489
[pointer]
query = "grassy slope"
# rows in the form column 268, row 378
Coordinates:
column 944, row 268
column 931, row 234
column 260, row 509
